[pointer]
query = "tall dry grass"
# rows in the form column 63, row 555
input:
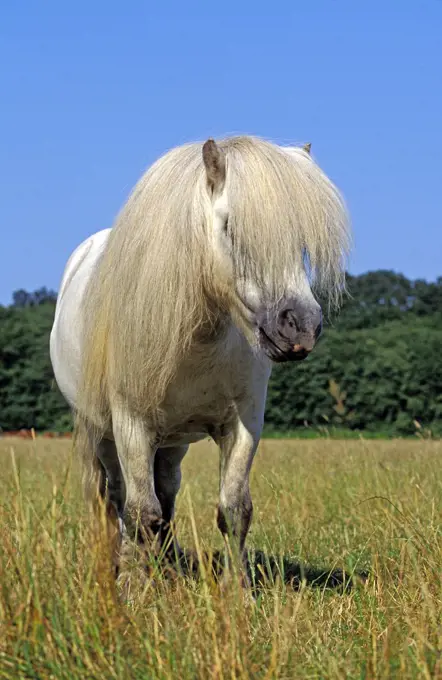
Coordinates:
column 320, row 505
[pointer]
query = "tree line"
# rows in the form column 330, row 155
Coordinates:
column 376, row 369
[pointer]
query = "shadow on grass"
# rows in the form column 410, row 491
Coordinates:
column 265, row 569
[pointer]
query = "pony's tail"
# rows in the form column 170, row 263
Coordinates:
column 102, row 515
column 86, row 440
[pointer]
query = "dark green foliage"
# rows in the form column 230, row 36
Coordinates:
column 21, row 298
column 383, row 378
column 28, row 394
column 377, row 368
column 378, row 365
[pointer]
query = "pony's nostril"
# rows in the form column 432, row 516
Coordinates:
column 288, row 318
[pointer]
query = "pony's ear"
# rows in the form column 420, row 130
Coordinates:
column 307, row 147
column 215, row 164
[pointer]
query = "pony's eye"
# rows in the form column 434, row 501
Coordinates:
column 227, row 233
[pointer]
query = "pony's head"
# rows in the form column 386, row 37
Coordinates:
column 238, row 229
column 276, row 224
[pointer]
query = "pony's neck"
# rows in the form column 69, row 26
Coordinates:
column 214, row 325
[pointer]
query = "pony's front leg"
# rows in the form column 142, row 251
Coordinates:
column 235, row 509
column 142, row 514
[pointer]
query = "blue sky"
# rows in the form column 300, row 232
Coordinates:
column 93, row 92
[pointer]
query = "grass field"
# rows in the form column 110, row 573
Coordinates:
column 320, row 505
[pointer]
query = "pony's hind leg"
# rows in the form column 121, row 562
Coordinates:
column 167, row 484
column 112, row 483
column 113, row 493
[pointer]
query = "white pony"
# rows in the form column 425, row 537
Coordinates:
column 167, row 325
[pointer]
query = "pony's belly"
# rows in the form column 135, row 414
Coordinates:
column 183, row 439
column 186, row 433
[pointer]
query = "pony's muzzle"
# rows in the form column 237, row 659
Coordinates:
column 292, row 333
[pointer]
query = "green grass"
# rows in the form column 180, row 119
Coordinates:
column 340, row 433
column 326, row 505
column 329, row 433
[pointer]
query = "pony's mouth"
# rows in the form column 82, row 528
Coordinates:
column 276, row 353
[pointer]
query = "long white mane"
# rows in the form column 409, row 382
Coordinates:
column 155, row 284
